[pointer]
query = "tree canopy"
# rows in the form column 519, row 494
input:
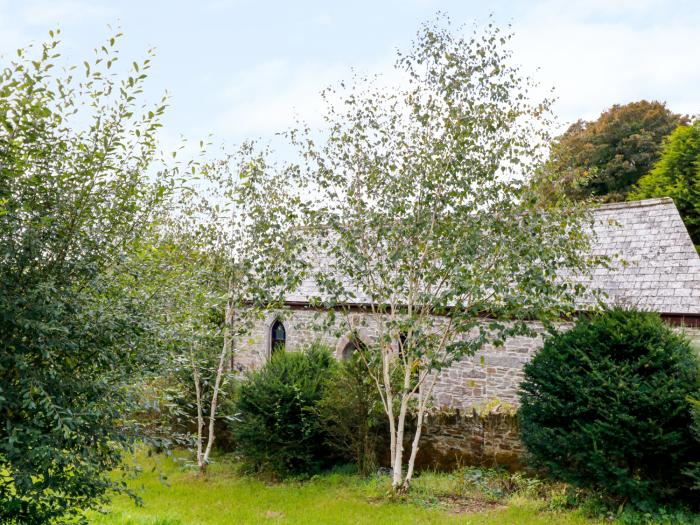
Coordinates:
column 226, row 252
column 677, row 175
column 418, row 210
column 605, row 158
column 77, row 205
column 111, row 260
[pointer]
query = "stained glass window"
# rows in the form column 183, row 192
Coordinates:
column 278, row 337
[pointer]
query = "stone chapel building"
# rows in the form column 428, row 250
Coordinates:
column 472, row 420
column 660, row 272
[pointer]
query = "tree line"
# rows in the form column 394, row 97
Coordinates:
column 633, row 151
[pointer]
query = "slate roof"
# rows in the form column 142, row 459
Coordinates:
column 662, row 270
column 657, row 268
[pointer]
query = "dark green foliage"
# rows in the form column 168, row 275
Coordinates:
column 604, row 158
column 605, row 406
column 694, row 469
column 677, row 175
column 76, row 204
column 352, row 415
column 277, row 428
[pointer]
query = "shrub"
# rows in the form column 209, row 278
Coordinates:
column 694, row 469
column 351, row 414
column 276, row 427
column 605, row 406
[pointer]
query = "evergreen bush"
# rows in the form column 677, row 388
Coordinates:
column 694, row 469
column 276, row 426
column 606, row 406
column 352, row 415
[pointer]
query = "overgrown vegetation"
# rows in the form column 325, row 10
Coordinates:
column 351, row 414
column 417, row 206
column 490, row 497
column 694, row 469
column 122, row 289
column 606, row 406
column 111, row 272
column 77, row 206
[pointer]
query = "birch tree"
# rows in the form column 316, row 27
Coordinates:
column 232, row 252
column 420, row 216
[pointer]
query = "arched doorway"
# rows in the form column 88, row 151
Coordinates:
column 354, row 344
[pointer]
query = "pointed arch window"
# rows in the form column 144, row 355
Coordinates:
column 278, row 337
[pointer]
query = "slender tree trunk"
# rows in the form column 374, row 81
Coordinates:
column 212, row 409
column 225, row 351
column 397, row 483
column 200, row 416
column 416, row 442
column 389, row 406
column 398, row 460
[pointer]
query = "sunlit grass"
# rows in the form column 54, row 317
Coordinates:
column 226, row 497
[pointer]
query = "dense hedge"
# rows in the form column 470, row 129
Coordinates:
column 606, row 405
column 277, row 428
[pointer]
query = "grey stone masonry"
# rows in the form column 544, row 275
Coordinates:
column 491, row 375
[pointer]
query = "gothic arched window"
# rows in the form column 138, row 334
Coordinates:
column 278, row 337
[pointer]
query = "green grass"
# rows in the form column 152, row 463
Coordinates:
column 225, row 497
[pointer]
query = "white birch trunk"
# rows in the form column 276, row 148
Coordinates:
column 225, row 351
column 398, row 480
column 416, row 442
column 200, row 416
column 389, row 407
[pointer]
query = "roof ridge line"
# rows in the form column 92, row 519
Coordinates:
column 635, row 204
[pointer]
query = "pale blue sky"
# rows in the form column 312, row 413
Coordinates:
column 239, row 68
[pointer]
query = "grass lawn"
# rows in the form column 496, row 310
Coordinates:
column 226, row 497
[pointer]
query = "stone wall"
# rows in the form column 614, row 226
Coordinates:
column 694, row 335
column 454, row 432
column 457, row 438
column 303, row 326
column 491, row 374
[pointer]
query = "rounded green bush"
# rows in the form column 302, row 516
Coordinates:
column 276, row 427
column 606, row 405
